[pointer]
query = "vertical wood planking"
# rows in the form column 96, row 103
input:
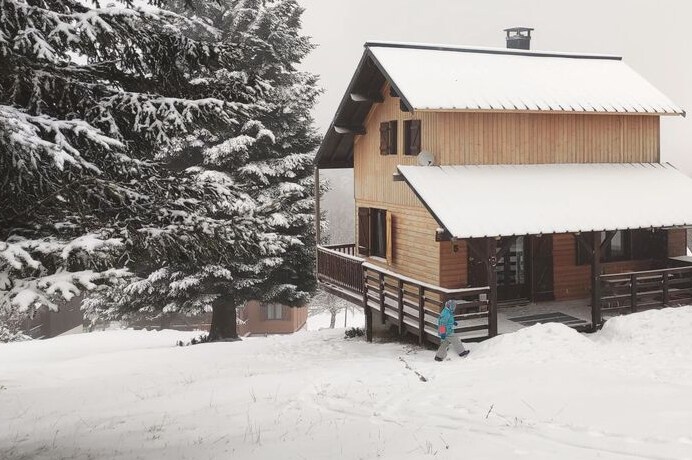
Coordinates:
column 487, row 138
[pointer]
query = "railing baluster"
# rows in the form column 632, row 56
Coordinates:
column 421, row 314
column 633, row 292
column 664, row 287
column 383, row 318
column 400, row 302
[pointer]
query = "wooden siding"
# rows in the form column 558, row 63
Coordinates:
column 490, row 138
column 453, row 265
column 498, row 138
column 677, row 242
column 415, row 253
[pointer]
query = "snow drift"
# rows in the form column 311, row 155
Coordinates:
column 544, row 392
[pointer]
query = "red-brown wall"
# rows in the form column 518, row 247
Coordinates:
column 293, row 320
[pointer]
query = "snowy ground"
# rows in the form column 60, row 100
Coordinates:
column 321, row 320
column 545, row 392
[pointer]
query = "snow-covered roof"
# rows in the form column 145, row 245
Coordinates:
column 454, row 78
column 505, row 200
column 443, row 77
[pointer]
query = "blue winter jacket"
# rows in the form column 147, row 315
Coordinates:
column 446, row 321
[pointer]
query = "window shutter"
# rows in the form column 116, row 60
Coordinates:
column 284, row 312
column 389, row 237
column 414, row 141
column 364, row 231
column 384, row 138
column 264, row 312
column 392, row 137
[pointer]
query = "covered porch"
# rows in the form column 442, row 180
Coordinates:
column 412, row 306
column 483, row 212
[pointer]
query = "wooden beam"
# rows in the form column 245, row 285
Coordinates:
column 442, row 234
column 383, row 299
column 608, row 239
column 471, row 243
column 366, row 308
column 360, row 130
column 585, row 243
column 491, row 251
column 595, row 280
column 375, row 98
column 400, row 305
column 421, row 315
column 318, row 229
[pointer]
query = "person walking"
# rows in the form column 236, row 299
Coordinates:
column 445, row 327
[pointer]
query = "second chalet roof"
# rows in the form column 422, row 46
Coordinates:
column 453, row 78
column 506, row 200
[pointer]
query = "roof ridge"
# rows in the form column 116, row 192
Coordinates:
column 488, row 50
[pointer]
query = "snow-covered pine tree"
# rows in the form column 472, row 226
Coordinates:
column 267, row 154
column 282, row 171
column 88, row 95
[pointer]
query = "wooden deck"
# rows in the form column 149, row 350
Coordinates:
column 413, row 306
column 410, row 305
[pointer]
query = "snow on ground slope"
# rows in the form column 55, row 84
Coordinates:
column 545, row 392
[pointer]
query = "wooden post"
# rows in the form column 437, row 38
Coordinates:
column 666, row 297
column 366, row 308
column 595, row 280
column 318, row 232
column 383, row 299
column 400, row 301
column 421, row 315
column 491, row 252
column 633, row 293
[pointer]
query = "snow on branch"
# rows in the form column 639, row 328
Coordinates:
column 159, row 118
column 33, row 293
column 40, row 137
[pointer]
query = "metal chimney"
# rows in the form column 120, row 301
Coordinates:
column 519, row 38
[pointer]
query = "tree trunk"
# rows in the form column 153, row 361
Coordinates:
column 223, row 320
column 332, row 322
column 166, row 320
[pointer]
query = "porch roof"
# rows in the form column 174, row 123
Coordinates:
column 503, row 200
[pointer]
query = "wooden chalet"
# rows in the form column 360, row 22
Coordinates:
column 507, row 180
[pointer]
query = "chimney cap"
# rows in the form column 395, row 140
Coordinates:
column 519, row 29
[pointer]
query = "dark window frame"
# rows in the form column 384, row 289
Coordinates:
column 373, row 240
column 378, row 232
column 412, row 144
column 389, row 137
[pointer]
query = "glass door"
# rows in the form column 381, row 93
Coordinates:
column 511, row 271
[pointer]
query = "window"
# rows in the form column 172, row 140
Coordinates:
column 375, row 232
column 619, row 249
column 388, row 137
column 412, row 136
column 378, row 232
column 272, row 311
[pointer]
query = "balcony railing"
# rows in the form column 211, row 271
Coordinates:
column 410, row 304
column 339, row 266
column 636, row 291
column 414, row 305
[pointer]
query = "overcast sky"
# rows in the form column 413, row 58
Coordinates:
column 653, row 37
